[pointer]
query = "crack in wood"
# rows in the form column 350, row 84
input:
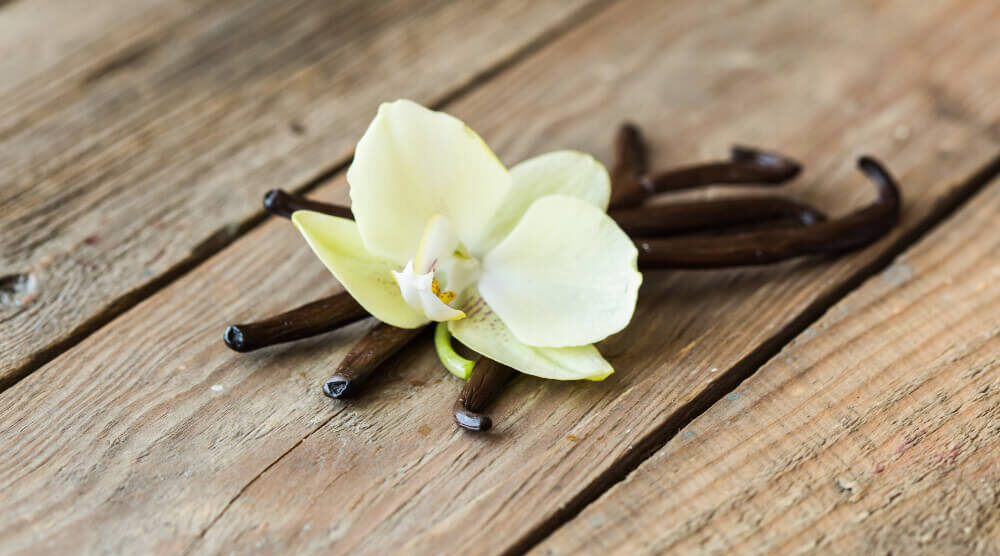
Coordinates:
column 745, row 368
column 218, row 241
column 726, row 382
column 130, row 57
column 656, row 438
column 250, row 483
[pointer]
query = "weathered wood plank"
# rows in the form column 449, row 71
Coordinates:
column 558, row 443
column 39, row 34
column 150, row 139
column 27, row 48
column 875, row 432
column 269, row 464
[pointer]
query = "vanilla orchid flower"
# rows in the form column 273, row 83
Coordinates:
column 524, row 265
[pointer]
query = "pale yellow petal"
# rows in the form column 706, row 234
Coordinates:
column 367, row 278
column 413, row 163
column 565, row 276
column 569, row 173
column 483, row 332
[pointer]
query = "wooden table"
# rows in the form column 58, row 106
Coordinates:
column 847, row 405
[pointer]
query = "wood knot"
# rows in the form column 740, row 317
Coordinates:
column 848, row 487
column 17, row 289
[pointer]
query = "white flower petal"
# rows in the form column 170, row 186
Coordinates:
column 561, row 172
column 413, row 163
column 565, row 276
column 418, row 293
column 570, row 173
column 437, row 244
column 458, row 273
column 367, row 278
column 483, row 332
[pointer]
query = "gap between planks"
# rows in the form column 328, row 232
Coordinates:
column 749, row 365
column 891, row 367
column 648, row 444
column 729, row 381
column 935, row 209
column 215, row 243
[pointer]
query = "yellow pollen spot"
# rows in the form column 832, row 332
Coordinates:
column 445, row 297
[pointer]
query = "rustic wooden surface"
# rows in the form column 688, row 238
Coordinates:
column 149, row 435
column 143, row 140
column 877, row 431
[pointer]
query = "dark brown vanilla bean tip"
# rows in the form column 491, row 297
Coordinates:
column 337, row 386
column 888, row 189
column 629, row 184
column 629, row 131
column 377, row 345
column 484, row 385
column 470, row 420
column 760, row 157
column 282, row 203
column 630, row 150
column 787, row 167
column 234, row 339
column 276, row 203
column 309, row 320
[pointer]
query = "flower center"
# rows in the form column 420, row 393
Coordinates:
column 439, row 273
column 445, row 297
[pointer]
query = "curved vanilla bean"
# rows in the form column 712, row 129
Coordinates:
column 628, row 184
column 487, row 381
column 324, row 315
column 746, row 166
column 673, row 218
column 282, row 203
column 631, row 182
column 380, row 343
column 752, row 248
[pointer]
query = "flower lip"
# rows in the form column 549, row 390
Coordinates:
column 418, row 292
column 438, row 273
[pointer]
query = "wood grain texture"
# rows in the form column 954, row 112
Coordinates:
column 268, row 464
column 39, row 34
column 875, row 432
column 144, row 139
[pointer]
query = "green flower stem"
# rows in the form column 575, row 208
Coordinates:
column 455, row 363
